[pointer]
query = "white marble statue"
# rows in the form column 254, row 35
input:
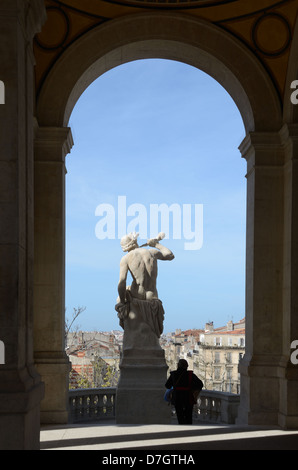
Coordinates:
column 138, row 305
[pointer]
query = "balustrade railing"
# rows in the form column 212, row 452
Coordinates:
column 98, row 404
column 92, row 404
column 216, row 407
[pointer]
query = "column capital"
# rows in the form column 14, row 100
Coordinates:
column 263, row 142
column 266, row 150
column 292, row 129
column 289, row 133
column 52, row 143
column 292, row 135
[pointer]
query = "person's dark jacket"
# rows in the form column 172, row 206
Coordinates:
column 180, row 379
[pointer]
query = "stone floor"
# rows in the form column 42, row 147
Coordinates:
column 109, row 437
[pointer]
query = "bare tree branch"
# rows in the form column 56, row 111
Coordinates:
column 69, row 322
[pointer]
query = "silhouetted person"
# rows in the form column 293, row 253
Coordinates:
column 184, row 383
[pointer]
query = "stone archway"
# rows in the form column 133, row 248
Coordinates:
column 165, row 36
column 197, row 43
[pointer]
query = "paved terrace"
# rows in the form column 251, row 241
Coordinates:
column 107, row 436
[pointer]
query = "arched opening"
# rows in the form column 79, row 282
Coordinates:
column 197, row 43
column 158, row 132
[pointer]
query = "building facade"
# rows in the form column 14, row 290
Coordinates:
column 218, row 357
column 94, row 358
column 214, row 354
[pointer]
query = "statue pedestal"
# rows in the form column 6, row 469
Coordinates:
column 141, row 389
column 143, row 368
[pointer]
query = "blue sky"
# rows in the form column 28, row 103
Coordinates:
column 156, row 132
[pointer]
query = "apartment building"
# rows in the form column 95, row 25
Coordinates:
column 217, row 358
column 213, row 354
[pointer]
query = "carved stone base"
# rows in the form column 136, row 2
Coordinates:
column 143, row 368
column 141, row 389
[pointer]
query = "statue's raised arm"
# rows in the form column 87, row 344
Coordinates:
column 164, row 253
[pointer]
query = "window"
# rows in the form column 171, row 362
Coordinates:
column 229, row 357
column 216, row 373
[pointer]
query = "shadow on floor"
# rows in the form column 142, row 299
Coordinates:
column 213, row 438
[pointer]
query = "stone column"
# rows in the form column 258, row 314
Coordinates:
column 21, row 390
column 51, row 147
column 260, row 394
column 288, row 415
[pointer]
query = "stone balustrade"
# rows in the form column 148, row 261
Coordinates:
column 216, row 407
column 92, row 404
column 98, row 404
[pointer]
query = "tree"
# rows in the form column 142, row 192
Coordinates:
column 81, row 380
column 69, row 322
column 105, row 375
